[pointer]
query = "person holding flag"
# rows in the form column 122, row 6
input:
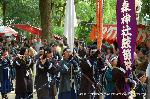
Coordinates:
column 67, row 75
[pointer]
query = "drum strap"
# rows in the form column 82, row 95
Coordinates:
column 96, row 86
column 88, row 78
column 89, row 63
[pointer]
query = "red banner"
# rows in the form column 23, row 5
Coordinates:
column 110, row 33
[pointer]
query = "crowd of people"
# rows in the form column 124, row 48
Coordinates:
column 53, row 71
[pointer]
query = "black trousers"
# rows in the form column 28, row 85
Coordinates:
column 24, row 96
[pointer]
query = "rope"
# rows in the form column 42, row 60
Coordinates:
column 95, row 84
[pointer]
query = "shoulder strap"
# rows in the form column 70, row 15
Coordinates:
column 89, row 63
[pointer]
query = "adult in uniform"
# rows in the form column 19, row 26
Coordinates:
column 6, row 85
column 24, row 83
column 123, row 82
column 88, row 79
column 67, row 75
column 109, row 84
column 44, row 80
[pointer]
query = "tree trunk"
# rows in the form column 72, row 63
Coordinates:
column 46, row 13
column 4, row 3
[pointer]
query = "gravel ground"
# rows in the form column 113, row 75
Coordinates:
column 12, row 95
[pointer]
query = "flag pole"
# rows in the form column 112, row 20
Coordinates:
column 99, row 21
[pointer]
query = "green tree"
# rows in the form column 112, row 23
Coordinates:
column 86, row 13
column 110, row 12
column 145, row 10
column 22, row 12
column 58, row 13
column 3, row 7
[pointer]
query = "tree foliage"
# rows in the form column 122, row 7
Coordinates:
column 28, row 12
column 110, row 12
column 145, row 7
column 145, row 10
column 23, row 12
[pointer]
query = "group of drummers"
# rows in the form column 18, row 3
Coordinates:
column 84, row 73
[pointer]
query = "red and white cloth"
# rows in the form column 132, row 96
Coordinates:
column 7, row 31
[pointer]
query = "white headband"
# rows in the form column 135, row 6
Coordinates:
column 114, row 58
column 94, row 50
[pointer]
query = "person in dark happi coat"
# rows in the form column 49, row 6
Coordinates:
column 109, row 84
column 118, row 77
column 5, row 81
column 45, row 78
column 77, row 70
column 57, row 57
column 124, row 84
column 88, row 78
column 67, row 66
column 31, row 69
column 24, row 83
column 141, row 86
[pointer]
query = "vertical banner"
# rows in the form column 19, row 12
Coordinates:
column 99, row 22
column 69, row 23
column 66, row 19
column 126, row 32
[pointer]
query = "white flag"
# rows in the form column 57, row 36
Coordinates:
column 69, row 23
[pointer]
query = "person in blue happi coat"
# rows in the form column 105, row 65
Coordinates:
column 6, row 85
column 67, row 85
column 109, row 84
